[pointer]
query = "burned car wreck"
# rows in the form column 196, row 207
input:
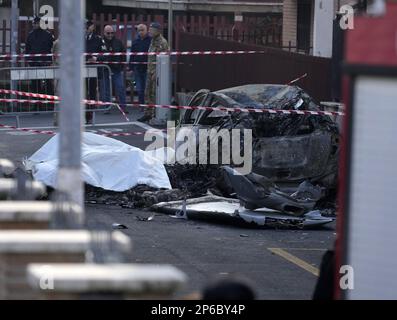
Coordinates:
column 287, row 148
column 294, row 156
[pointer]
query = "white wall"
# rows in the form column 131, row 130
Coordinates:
column 323, row 26
column 371, row 233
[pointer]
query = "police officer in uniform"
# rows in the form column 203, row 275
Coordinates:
column 93, row 44
column 40, row 41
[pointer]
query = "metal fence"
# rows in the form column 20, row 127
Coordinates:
column 44, row 80
column 273, row 66
column 262, row 29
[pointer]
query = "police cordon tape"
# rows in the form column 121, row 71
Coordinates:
column 51, row 100
column 29, row 94
column 28, row 130
column 225, row 109
column 95, row 62
column 89, row 102
column 172, row 53
column 110, row 134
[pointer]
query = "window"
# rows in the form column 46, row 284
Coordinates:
column 304, row 21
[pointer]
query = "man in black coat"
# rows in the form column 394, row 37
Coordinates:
column 93, row 44
column 115, row 45
column 40, row 41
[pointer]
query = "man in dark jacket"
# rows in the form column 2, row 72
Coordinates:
column 40, row 41
column 93, row 43
column 139, row 65
column 115, row 45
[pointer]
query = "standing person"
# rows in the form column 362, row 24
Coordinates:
column 115, row 45
column 93, row 43
column 158, row 44
column 140, row 44
column 40, row 41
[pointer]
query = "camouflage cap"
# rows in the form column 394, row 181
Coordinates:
column 155, row 25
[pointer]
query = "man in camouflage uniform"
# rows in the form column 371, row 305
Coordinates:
column 158, row 44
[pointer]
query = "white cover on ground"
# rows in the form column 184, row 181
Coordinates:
column 106, row 163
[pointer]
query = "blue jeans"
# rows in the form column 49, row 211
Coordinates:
column 140, row 81
column 118, row 87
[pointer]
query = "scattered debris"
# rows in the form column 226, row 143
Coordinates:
column 223, row 209
column 181, row 214
column 141, row 196
column 150, row 218
column 198, row 180
column 119, row 226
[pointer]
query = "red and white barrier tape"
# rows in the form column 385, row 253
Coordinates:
column 122, row 112
column 127, row 134
column 254, row 110
column 172, row 53
column 90, row 102
column 28, row 130
column 98, row 62
column 270, row 111
column 53, row 100
column 29, row 94
column 41, row 102
column 29, row 101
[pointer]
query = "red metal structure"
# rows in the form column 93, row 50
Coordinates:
column 366, row 224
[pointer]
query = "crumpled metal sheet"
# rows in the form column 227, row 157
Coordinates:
column 255, row 191
column 229, row 210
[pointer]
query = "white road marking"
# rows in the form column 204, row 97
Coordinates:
column 110, row 130
column 20, row 133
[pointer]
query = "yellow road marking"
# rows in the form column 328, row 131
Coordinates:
column 295, row 260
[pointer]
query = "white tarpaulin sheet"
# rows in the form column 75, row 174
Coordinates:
column 106, row 163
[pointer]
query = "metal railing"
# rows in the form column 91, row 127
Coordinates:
column 45, row 80
column 19, row 194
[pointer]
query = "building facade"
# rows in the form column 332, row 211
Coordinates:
column 231, row 6
column 308, row 24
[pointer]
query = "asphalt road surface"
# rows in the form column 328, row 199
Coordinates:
column 281, row 264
